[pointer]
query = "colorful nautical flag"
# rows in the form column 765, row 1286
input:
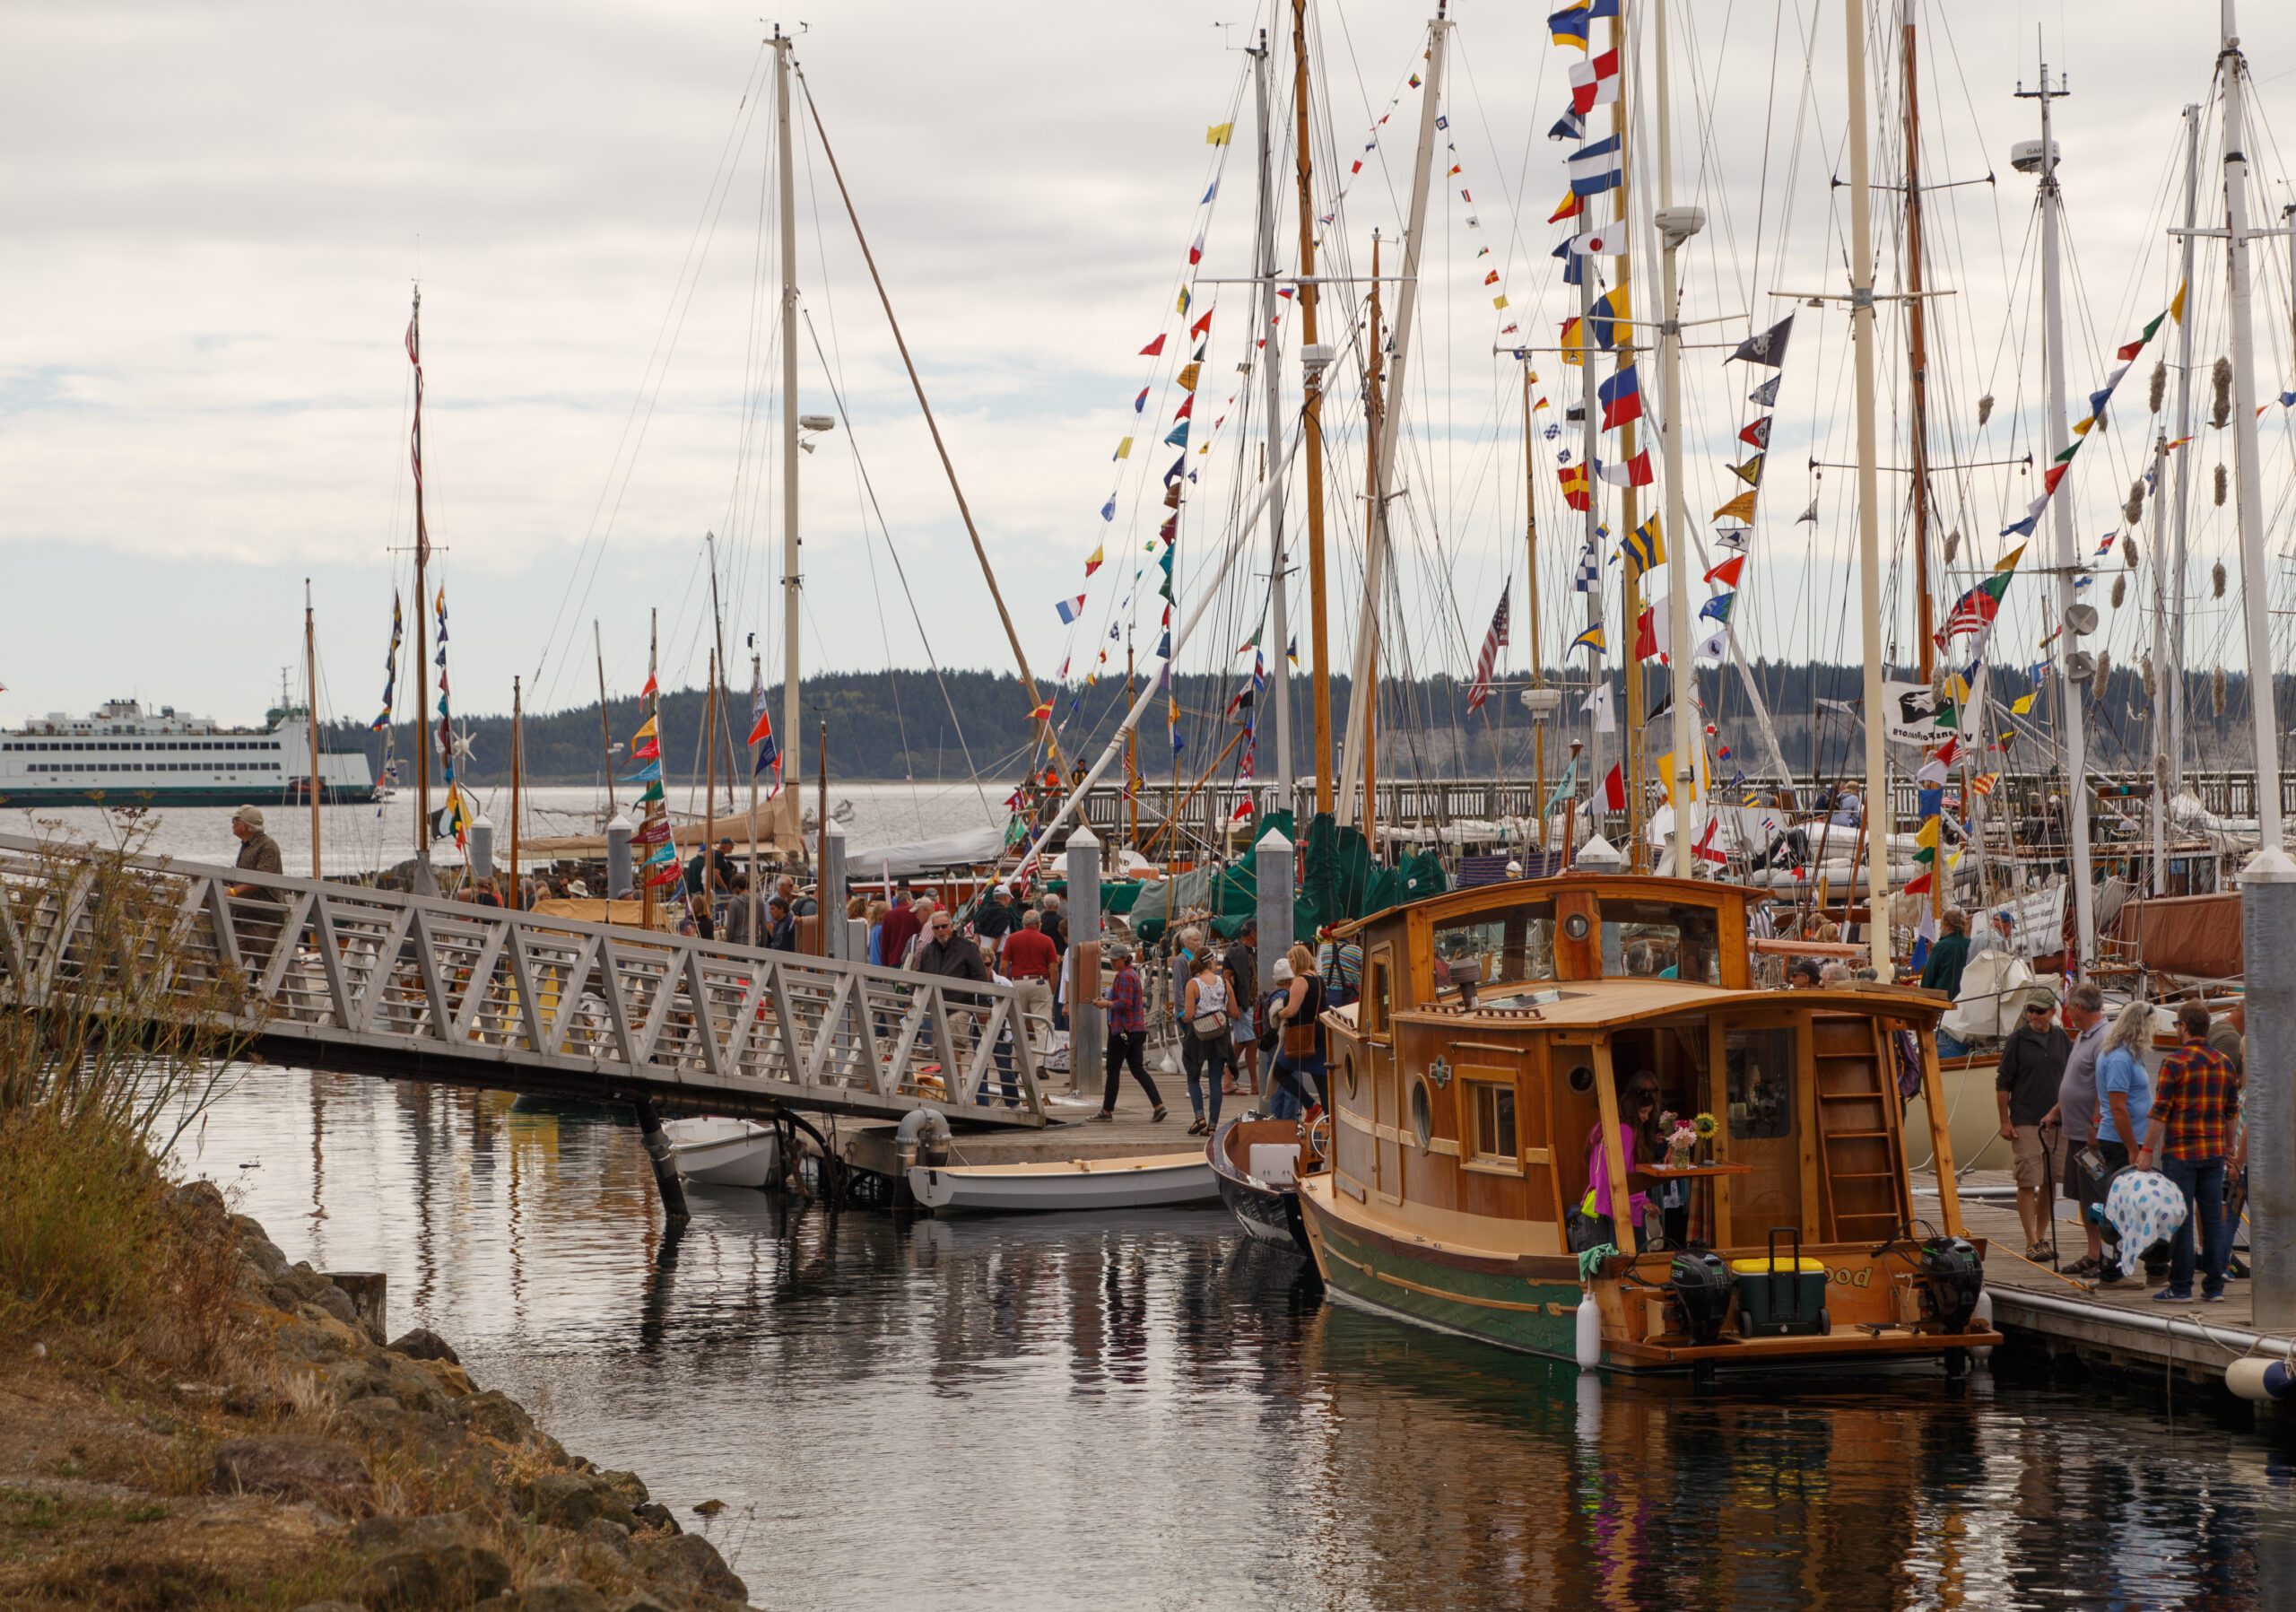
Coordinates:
column 1758, row 433
column 1609, row 310
column 1153, row 349
column 1220, row 134
column 1615, row 788
column 1765, row 396
column 1635, row 473
column 1569, row 25
column 1070, row 609
column 1741, row 508
column 382, row 723
column 1570, row 207
column 1645, row 550
column 1621, row 398
column 1717, row 607
column 1094, row 561
column 1598, row 167
column 1591, row 639
column 1594, row 83
column 1728, row 571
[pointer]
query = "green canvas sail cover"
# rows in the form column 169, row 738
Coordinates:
column 1340, row 882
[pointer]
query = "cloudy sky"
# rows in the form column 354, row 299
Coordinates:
column 216, row 212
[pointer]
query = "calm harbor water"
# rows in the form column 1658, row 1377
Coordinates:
column 1143, row 1411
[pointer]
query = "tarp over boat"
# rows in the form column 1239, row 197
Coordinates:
column 1339, row 881
column 910, row 859
column 2198, row 936
column 773, row 827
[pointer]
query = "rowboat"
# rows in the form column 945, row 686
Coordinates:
column 1257, row 1164
column 1482, row 1085
column 723, row 1152
column 1148, row 1182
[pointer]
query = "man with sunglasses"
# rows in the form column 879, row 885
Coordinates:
column 2025, row 1087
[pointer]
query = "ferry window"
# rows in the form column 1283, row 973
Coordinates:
column 1760, row 1063
column 1512, row 944
column 1375, row 994
column 1490, row 1108
column 1422, row 1114
column 1661, row 940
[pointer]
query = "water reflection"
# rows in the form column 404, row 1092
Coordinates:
column 1150, row 1411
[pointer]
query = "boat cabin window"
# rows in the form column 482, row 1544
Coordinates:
column 1665, row 940
column 1512, row 944
column 1490, row 1108
column 1760, row 1063
column 1378, row 980
column 1422, row 1113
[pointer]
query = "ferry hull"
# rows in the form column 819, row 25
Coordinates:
column 230, row 795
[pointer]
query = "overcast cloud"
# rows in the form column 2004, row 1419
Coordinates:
column 215, row 212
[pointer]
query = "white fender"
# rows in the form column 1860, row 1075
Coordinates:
column 1590, row 1334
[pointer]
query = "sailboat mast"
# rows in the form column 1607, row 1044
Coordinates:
column 1869, row 513
column 1311, row 426
column 753, row 935
column 652, row 705
column 709, row 785
column 1674, row 229
column 517, row 784
column 2247, row 473
column 311, row 715
column 1598, row 676
column 2068, row 555
column 791, row 581
column 1918, row 363
column 2184, row 463
column 1279, row 671
column 605, row 723
column 1637, row 756
column 1531, row 553
column 1374, row 556
column 425, row 882
column 1365, row 690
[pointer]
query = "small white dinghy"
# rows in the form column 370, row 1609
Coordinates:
column 723, row 1152
column 1153, row 1181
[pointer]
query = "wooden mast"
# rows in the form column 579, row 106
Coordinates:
column 1531, row 547
column 652, row 706
column 1311, row 422
column 516, row 902
column 1918, row 389
column 1628, row 509
column 426, row 883
column 1132, row 779
column 605, row 723
column 709, row 786
column 1369, row 691
column 311, row 713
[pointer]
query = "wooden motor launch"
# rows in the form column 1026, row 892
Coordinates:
column 1476, row 1092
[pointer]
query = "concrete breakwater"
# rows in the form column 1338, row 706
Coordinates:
column 312, row 1465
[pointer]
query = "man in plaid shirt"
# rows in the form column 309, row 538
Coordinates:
column 2195, row 1107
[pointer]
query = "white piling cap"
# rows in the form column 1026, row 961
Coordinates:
column 1083, row 839
column 1599, row 852
column 2270, row 865
column 621, row 822
column 1274, row 840
column 480, row 821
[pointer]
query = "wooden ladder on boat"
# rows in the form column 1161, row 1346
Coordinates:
column 1862, row 1189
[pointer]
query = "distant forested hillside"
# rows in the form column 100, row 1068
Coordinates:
column 926, row 724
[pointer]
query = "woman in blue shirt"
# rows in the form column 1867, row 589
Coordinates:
column 2123, row 1097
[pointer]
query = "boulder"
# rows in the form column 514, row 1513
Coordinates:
column 571, row 1500
column 655, row 1514
column 557, row 1596
column 688, row 1562
column 642, row 1602
column 422, row 1344
column 629, row 1484
column 402, row 1533
column 497, row 1415
column 606, row 1531
column 328, row 1606
column 295, row 1466
column 440, row 1578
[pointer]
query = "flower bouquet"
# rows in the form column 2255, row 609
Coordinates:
column 1682, row 1140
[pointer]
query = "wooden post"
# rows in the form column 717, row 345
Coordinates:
column 1538, row 664
column 517, row 903
column 821, row 853
column 651, row 706
column 1941, row 1137
column 657, row 1154
column 708, row 789
column 1613, row 1156
column 1311, row 422
column 311, row 711
column 1370, row 689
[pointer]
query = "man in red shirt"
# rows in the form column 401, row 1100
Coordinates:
column 1028, row 960
column 898, row 928
column 2195, row 1105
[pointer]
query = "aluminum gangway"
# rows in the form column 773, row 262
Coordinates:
column 343, row 978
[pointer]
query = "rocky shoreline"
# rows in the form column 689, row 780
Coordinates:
column 313, row 1467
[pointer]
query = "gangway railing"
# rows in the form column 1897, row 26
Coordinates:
column 343, row 977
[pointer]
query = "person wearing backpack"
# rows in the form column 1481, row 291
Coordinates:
column 1300, row 1059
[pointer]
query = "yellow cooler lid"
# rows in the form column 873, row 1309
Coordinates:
column 1760, row 1266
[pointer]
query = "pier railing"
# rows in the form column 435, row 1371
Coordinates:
column 336, row 976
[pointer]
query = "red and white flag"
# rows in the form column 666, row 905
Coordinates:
column 1615, row 788
column 1492, row 642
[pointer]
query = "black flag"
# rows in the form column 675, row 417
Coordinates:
column 1768, row 347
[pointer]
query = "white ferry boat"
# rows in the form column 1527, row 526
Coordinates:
column 121, row 755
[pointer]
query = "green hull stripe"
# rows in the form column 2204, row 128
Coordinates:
column 1532, row 1331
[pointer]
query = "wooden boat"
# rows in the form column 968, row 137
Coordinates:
column 1257, row 1164
column 720, row 1152
column 1483, row 1064
column 1153, row 1181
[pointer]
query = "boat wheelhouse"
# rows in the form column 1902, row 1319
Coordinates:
column 1476, row 1090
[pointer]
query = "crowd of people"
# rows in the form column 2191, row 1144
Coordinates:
column 2079, row 1107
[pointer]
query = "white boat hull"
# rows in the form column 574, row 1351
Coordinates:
column 723, row 1152
column 1158, row 1181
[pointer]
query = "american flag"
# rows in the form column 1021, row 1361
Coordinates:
column 1492, row 642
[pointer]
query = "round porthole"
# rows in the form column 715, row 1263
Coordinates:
column 1581, row 1079
column 1575, row 925
column 1347, row 1073
column 1422, row 1114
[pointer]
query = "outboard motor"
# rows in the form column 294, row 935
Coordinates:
column 1951, row 1279
column 923, row 1138
column 1697, row 1291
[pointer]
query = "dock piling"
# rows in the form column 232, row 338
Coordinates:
column 1087, row 1025
column 657, row 1153
column 2268, row 919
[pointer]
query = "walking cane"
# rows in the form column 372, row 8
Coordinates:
column 2049, row 1191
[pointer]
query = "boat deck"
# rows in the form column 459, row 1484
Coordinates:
column 2113, row 1328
